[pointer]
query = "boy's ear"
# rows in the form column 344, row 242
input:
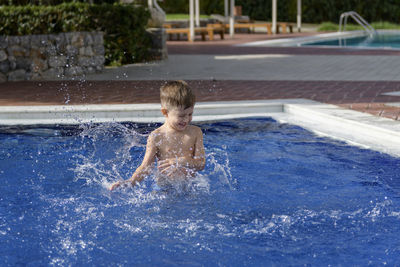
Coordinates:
column 164, row 112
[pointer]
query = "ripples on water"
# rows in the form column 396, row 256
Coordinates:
column 270, row 194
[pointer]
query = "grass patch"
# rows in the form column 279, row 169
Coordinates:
column 332, row 27
column 381, row 25
column 328, row 27
column 182, row 17
column 384, row 25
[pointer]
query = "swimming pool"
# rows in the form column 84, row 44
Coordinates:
column 270, row 194
column 384, row 39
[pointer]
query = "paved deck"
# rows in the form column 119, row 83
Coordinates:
column 219, row 70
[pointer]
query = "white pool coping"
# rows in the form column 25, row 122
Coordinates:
column 300, row 41
column 362, row 129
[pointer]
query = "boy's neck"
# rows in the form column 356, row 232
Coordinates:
column 172, row 130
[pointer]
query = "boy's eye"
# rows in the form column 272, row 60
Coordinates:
column 183, row 116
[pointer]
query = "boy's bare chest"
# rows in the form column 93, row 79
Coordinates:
column 176, row 146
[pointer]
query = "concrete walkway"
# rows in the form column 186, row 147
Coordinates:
column 262, row 67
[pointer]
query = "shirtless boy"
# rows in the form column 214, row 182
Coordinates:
column 177, row 145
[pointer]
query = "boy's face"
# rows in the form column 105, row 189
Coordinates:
column 178, row 117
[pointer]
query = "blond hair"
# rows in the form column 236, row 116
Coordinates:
column 176, row 94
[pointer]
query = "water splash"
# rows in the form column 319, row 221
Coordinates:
column 218, row 161
column 64, row 89
column 106, row 160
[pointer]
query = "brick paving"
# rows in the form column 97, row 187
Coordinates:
column 361, row 96
column 364, row 96
column 198, row 49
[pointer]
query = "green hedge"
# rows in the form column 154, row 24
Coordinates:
column 125, row 37
column 314, row 11
column 51, row 2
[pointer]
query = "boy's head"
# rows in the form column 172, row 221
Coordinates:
column 176, row 94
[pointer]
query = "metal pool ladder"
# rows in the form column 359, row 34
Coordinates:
column 360, row 20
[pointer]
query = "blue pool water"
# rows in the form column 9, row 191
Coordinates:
column 270, row 194
column 381, row 40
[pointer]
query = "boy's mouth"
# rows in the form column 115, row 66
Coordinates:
column 182, row 124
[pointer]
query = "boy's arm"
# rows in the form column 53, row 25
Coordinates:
column 144, row 169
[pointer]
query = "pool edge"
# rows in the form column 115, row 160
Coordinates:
column 358, row 128
column 300, row 41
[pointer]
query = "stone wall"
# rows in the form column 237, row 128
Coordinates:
column 54, row 56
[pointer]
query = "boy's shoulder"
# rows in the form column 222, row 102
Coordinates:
column 195, row 131
column 156, row 132
column 194, row 128
column 161, row 131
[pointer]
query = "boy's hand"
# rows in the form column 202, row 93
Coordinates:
column 162, row 164
column 167, row 166
column 116, row 185
column 171, row 167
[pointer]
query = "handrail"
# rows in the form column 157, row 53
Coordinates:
column 360, row 20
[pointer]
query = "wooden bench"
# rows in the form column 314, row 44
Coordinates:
column 215, row 28
column 251, row 26
column 203, row 31
column 284, row 26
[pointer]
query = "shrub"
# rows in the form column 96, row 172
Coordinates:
column 125, row 37
column 52, row 2
column 182, row 6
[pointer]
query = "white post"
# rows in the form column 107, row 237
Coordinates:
column 150, row 2
column 191, row 20
column 299, row 15
column 197, row 8
column 274, row 11
column 226, row 8
column 232, row 19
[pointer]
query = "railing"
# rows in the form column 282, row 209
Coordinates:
column 360, row 20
